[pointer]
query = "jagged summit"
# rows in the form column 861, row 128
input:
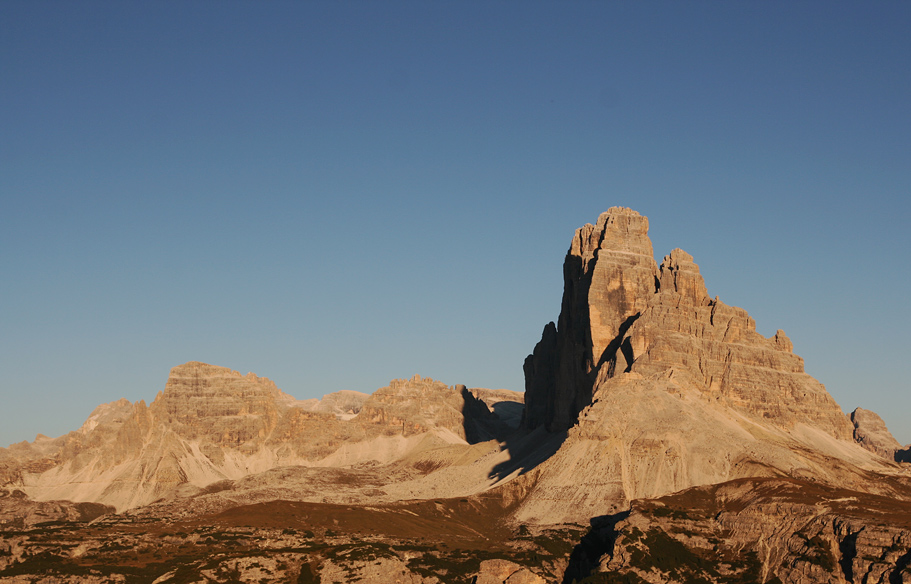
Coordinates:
column 871, row 433
column 659, row 387
column 624, row 313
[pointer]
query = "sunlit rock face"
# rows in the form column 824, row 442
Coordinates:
column 225, row 407
column 608, row 276
column 659, row 387
column 623, row 313
column 213, row 424
column 870, row 432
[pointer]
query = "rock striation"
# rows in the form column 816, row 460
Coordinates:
column 624, row 313
column 659, row 387
column 870, row 432
column 211, row 424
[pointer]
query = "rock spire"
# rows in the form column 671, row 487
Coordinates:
column 623, row 313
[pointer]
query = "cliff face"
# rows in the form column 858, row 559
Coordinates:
column 658, row 387
column 608, row 275
column 225, row 407
column 622, row 313
column 871, row 433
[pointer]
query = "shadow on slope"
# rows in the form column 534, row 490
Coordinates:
column 502, row 422
column 598, row 542
column 510, row 412
column 482, row 423
column 903, row 455
column 527, row 450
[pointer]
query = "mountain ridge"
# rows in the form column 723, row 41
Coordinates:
column 653, row 413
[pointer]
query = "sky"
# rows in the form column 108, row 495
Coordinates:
column 337, row 194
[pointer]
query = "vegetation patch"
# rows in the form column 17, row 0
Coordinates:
column 659, row 551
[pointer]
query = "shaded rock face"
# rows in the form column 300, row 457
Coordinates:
column 420, row 404
column 623, row 313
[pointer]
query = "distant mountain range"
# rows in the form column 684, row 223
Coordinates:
column 660, row 438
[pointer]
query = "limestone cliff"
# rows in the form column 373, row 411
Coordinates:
column 608, row 276
column 658, row 387
column 623, row 313
column 870, row 432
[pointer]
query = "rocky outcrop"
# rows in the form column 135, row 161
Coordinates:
column 380, row 571
column 870, row 432
column 760, row 530
column 660, row 387
column 17, row 511
column 623, row 313
column 505, row 572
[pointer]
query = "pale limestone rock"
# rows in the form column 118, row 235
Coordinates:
column 660, row 387
column 211, row 425
column 622, row 313
column 505, row 572
column 870, row 432
column 381, row 571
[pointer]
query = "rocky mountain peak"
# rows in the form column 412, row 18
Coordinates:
column 618, row 229
column 870, row 432
column 622, row 313
column 202, row 400
column 680, row 275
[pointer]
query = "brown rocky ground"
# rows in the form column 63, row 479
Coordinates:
column 444, row 540
column 755, row 530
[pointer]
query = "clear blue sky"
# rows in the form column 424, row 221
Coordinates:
column 336, row 194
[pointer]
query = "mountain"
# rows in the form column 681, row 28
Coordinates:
column 623, row 313
column 660, row 438
column 661, row 387
column 212, row 424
